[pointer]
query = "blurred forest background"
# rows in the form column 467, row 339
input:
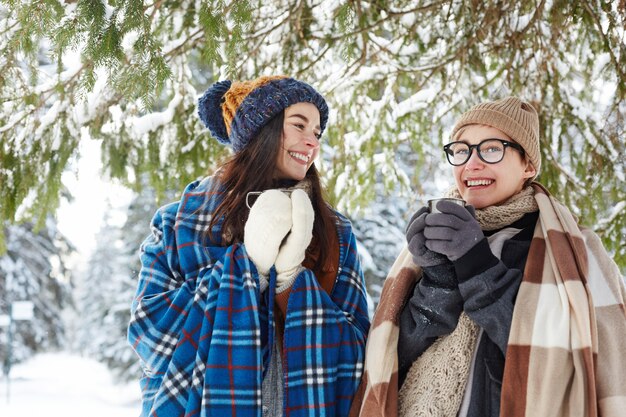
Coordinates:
column 396, row 74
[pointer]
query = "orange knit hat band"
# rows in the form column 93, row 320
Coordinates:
column 238, row 91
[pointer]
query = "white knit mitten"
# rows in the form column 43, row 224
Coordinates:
column 291, row 254
column 268, row 223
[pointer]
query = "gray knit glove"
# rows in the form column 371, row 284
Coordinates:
column 422, row 256
column 454, row 231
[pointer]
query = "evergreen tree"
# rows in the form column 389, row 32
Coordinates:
column 104, row 297
column 396, row 74
column 108, row 285
column 380, row 234
column 34, row 269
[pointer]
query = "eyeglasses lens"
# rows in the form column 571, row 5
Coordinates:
column 490, row 151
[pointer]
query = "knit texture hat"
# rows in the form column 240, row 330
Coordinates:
column 235, row 112
column 517, row 118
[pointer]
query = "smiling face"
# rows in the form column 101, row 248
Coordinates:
column 300, row 141
column 482, row 184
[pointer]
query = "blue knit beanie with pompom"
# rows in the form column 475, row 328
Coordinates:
column 235, row 112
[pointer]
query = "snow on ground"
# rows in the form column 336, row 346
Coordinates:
column 62, row 384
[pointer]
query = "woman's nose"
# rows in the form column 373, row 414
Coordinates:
column 311, row 140
column 474, row 161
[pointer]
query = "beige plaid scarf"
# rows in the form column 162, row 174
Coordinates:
column 568, row 335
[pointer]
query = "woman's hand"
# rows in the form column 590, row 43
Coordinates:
column 416, row 241
column 291, row 254
column 268, row 223
column 454, row 231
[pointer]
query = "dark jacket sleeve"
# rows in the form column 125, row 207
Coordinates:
column 489, row 287
column 432, row 311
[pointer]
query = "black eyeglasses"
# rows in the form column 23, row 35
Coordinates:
column 490, row 151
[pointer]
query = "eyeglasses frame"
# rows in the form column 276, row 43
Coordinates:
column 505, row 143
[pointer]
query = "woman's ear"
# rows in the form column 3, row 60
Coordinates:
column 530, row 170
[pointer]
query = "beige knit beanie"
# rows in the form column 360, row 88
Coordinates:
column 517, row 118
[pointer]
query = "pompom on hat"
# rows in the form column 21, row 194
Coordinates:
column 515, row 117
column 235, row 112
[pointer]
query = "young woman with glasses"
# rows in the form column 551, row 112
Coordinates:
column 503, row 306
column 251, row 300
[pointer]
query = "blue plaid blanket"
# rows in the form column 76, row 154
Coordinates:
column 204, row 332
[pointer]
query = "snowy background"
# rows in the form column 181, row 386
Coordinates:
column 71, row 382
column 60, row 384
column 394, row 90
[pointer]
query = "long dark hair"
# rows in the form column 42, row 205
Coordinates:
column 252, row 169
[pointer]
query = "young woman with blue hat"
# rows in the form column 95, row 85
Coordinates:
column 251, row 299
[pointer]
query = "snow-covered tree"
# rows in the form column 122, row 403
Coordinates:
column 380, row 233
column 34, row 269
column 106, row 289
column 104, row 293
column 396, row 75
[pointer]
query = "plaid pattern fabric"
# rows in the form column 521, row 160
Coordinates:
column 204, row 334
column 377, row 395
column 566, row 349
